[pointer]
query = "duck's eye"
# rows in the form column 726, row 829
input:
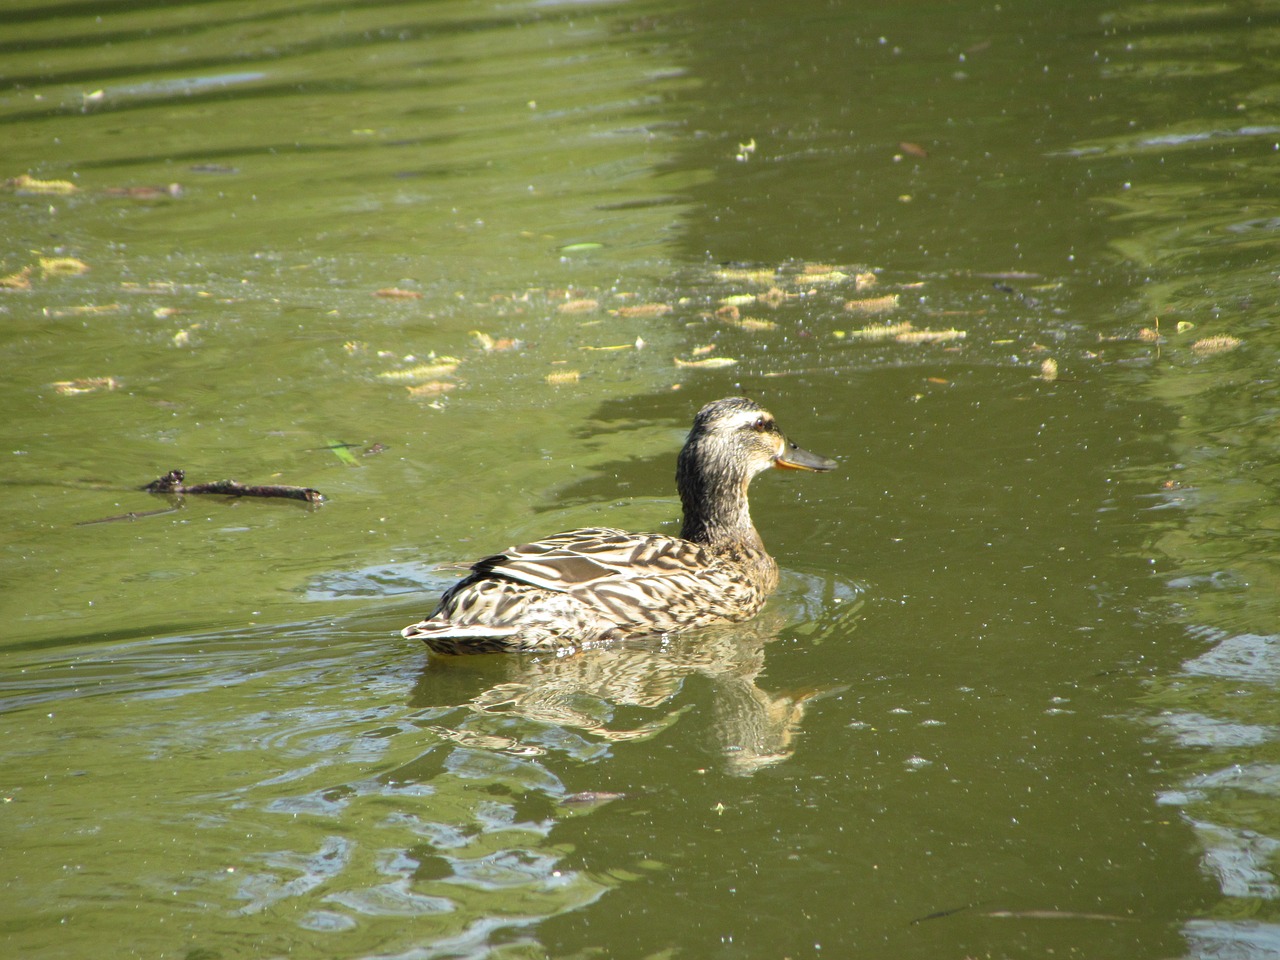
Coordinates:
column 761, row 425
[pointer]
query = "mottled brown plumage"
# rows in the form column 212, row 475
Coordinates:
column 597, row 583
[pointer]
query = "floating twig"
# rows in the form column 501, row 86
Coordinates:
column 173, row 482
column 131, row 515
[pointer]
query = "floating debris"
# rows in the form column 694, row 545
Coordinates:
column 822, row 276
column 912, row 149
column 582, row 305
column 29, row 184
column 557, row 377
column 71, row 388
column 880, row 331
column 873, row 304
column 772, row 297
column 432, row 388
column 706, row 363
column 752, row 324
column 342, row 451
column 644, row 310
column 745, row 275
column 1049, row 369
column 397, row 293
column 174, row 482
column 17, row 281
column 930, row 336
column 1211, row 345
column 581, row 247
column 441, row 367
column 62, row 267
column 499, row 345
column 864, row 281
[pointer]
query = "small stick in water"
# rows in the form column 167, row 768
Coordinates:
column 173, row 482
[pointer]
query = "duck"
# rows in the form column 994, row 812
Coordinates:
column 590, row 586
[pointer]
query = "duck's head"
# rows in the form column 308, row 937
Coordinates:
column 736, row 438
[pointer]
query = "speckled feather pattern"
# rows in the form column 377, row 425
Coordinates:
column 598, row 584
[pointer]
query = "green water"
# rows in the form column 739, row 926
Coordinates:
column 1017, row 693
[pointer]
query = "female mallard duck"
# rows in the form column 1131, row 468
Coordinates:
column 601, row 584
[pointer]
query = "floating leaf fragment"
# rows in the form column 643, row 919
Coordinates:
column 432, row 388
column 557, row 377
column 930, row 336
column 71, row 388
column 751, row 324
column 822, row 276
column 739, row 300
column 342, row 451
column 396, row 293
column 581, row 305
column 873, row 304
column 1147, row 335
column 62, row 267
column 704, row 349
column 1211, row 345
column 741, row 274
column 423, row 371
column 864, row 281
column 1185, row 325
column 728, row 313
column 771, row 297
column 490, row 345
column 881, row 331
column 581, row 247
column 17, row 281
column 644, row 310
column 620, row 346
column 29, row 184
column 1049, row 369
column 706, row 363
column 912, row 149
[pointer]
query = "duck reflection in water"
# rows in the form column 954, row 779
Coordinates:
column 590, row 693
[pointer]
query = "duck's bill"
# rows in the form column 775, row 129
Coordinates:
column 795, row 458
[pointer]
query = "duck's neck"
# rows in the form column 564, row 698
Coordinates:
column 716, row 512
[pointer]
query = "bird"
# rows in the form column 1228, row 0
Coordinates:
column 590, row 586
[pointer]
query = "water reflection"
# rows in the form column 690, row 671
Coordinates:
column 597, row 692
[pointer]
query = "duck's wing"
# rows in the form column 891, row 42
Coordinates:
column 582, row 558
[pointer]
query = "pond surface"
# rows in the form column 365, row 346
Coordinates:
column 1013, row 265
